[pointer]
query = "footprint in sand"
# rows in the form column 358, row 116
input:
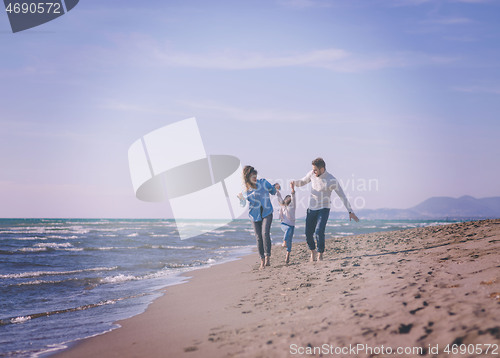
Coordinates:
column 405, row 328
column 190, row 349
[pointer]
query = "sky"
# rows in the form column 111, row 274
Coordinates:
column 400, row 97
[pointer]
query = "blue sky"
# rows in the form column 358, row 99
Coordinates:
column 402, row 92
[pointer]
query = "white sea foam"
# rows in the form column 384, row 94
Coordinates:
column 62, row 237
column 119, row 278
column 21, row 319
column 180, row 247
column 107, row 248
column 44, row 246
column 32, row 249
column 28, row 238
column 43, row 282
column 54, row 273
column 54, row 245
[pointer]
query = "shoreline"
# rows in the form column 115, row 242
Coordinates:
column 200, row 276
column 406, row 288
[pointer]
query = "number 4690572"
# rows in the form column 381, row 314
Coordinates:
column 34, row 8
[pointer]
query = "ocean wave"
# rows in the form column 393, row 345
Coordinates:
column 146, row 246
column 170, row 247
column 53, row 245
column 48, row 246
column 47, row 230
column 27, row 238
column 116, row 229
column 4, row 252
column 107, row 248
column 86, row 281
column 244, row 247
column 26, row 318
column 32, row 249
column 169, row 270
column 119, row 278
column 55, row 273
column 21, row 319
column 37, row 282
column 62, row 237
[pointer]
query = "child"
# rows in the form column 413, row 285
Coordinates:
column 287, row 217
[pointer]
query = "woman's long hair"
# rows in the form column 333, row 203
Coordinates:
column 248, row 171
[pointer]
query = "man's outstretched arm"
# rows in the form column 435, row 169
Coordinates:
column 342, row 196
column 305, row 180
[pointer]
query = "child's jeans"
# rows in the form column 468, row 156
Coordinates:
column 288, row 230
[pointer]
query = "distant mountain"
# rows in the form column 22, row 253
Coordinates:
column 465, row 207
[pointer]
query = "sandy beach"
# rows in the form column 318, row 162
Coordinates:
column 404, row 293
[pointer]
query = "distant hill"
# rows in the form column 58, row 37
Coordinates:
column 442, row 207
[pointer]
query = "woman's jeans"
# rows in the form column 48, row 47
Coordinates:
column 262, row 234
column 288, row 230
column 315, row 224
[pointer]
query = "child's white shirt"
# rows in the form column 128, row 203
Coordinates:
column 287, row 213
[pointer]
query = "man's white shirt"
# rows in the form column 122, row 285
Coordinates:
column 321, row 190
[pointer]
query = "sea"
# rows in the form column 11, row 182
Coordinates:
column 62, row 280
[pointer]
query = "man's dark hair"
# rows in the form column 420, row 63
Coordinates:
column 319, row 162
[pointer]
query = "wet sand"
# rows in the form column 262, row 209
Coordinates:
column 419, row 290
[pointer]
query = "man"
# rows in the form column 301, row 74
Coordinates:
column 322, row 185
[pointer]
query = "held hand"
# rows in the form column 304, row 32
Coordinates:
column 292, row 185
column 240, row 196
column 277, row 186
column 353, row 216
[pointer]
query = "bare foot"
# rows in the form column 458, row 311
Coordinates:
column 268, row 261
column 313, row 255
column 320, row 256
column 287, row 258
column 262, row 264
column 283, row 244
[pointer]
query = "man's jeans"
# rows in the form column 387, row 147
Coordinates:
column 315, row 224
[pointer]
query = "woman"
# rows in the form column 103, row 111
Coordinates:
column 260, row 210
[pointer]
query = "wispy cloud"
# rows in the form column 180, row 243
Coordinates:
column 465, row 38
column 231, row 60
column 400, row 3
column 408, row 59
column 478, row 89
column 431, row 2
column 220, row 110
column 301, row 4
column 335, row 59
column 331, row 59
column 450, row 21
column 26, row 71
column 473, row 1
